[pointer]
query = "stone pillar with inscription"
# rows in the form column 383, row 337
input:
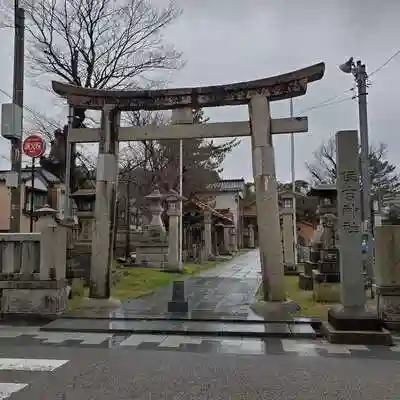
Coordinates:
column 174, row 212
column 288, row 240
column 350, row 322
column 207, row 235
column 226, row 246
column 251, row 236
column 233, row 234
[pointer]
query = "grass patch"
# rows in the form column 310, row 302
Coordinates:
column 304, row 298
column 135, row 282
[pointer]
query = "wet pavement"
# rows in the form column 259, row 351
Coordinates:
column 35, row 337
column 224, row 292
column 219, row 304
column 190, row 328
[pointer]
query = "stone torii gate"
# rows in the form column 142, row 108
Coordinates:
column 256, row 94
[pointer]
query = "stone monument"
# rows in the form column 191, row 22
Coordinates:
column 387, row 274
column 351, row 322
column 257, row 95
column 327, row 204
column 326, row 277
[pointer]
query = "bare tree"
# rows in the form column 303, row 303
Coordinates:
column 383, row 175
column 103, row 44
column 100, row 43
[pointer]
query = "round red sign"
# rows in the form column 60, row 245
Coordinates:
column 34, row 146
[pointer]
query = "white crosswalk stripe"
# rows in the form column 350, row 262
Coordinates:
column 7, row 389
column 26, row 365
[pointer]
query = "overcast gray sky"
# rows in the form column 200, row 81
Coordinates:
column 224, row 41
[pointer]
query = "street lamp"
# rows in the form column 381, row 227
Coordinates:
column 360, row 75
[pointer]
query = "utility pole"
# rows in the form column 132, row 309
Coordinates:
column 292, row 159
column 180, row 202
column 358, row 70
column 128, row 217
column 18, row 99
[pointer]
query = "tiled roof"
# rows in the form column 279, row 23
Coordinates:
column 26, row 175
column 84, row 192
column 227, row 185
column 203, row 206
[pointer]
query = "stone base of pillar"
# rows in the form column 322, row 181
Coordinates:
column 306, row 282
column 389, row 305
column 36, row 303
column 276, row 310
column 173, row 268
column 91, row 303
column 347, row 326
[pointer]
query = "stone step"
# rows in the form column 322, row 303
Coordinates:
column 229, row 318
column 189, row 328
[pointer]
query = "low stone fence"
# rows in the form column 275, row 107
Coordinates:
column 32, row 270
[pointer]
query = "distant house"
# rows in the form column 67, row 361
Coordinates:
column 305, row 215
column 226, row 195
column 47, row 189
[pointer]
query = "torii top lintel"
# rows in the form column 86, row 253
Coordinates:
column 278, row 87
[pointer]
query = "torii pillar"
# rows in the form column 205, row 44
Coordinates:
column 104, row 213
column 267, row 199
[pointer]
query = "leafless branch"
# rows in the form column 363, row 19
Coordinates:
column 118, row 44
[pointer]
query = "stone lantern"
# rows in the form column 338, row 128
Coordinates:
column 85, row 200
column 45, row 218
column 156, row 225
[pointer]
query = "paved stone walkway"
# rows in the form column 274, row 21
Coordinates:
column 222, row 292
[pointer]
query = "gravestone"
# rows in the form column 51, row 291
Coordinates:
column 351, row 322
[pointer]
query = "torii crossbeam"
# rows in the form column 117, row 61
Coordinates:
column 256, row 94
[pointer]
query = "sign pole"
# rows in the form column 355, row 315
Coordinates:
column 34, row 147
column 32, row 192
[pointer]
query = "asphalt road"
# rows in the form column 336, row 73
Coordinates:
column 122, row 373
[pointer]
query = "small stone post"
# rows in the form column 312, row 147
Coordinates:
column 174, row 212
column 271, row 256
column 46, row 224
column 251, row 236
column 207, row 234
